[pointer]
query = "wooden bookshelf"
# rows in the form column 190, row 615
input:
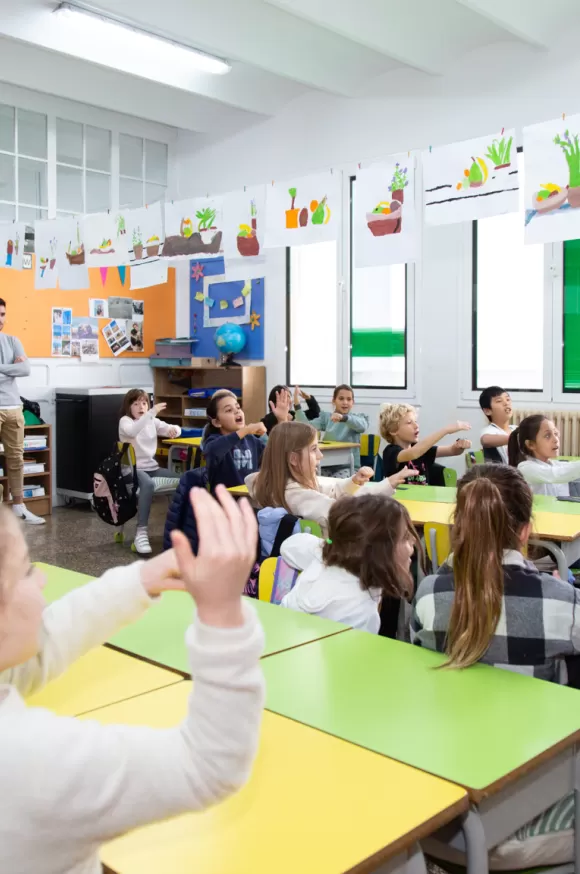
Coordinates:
column 40, row 506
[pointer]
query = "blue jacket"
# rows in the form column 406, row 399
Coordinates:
column 229, row 460
column 268, row 522
column 180, row 515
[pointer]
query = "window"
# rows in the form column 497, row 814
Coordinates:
column 83, row 168
column 143, row 171
column 312, row 315
column 571, row 326
column 508, row 290
column 378, row 321
column 23, row 165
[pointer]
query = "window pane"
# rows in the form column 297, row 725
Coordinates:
column 6, row 128
column 153, row 192
column 156, row 162
column 69, row 189
column 378, row 317
column 32, row 182
column 7, row 212
column 98, row 148
column 69, row 142
column 31, row 134
column 572, row 315
column 28, row 214
column 7, row 186
column 131, row 156
column 313, row 314
column 130, row 193
column 98, row 192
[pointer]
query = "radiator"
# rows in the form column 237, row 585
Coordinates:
column 567, row 422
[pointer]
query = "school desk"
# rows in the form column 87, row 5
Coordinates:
column 239, row 491
column 175, row 445
column 98, row 678
column 507, row 738
column 334, row 453
column 314, row 804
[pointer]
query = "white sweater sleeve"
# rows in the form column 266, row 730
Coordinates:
column 129, row 428
column 90, row 782
column 79, row 621
column 299, row 550
column 555, row 472
column 382, row 488
column 162, row 428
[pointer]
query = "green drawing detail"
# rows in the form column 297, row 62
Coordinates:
column 499, row 153
column 206, row 218
column 572, row 154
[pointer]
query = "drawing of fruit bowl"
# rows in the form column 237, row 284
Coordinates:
column 153, row 244
column 385, row 219
column 549, row 197
column 247, row 241
column 106, row 248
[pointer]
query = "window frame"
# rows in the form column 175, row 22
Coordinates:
column 82, row 168
column 143, row 179
column 17, row 155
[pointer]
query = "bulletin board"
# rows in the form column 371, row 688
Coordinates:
column 29, row 312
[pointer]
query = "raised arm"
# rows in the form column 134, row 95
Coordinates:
column 558, row 472
column 130, row 428
column 421, row 446
column 492, row 441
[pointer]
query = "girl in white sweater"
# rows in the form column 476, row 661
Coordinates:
column 140, row 427
column 365, row 559
column 70, row 785
column 533, row 448
column 287, row 477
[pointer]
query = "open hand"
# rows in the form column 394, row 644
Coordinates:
column 228, row 537
column 158, row 408
column 399, row 478
column 458, row 426
column 363, row 476
column 281, row 408
column 173, row 432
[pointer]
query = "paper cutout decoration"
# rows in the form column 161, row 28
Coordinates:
column 247, row 289
column 303, row 210
column 552, row 180
column 193, row 228
column 122, row 273
column 199, row 296
column 385, row 222
column 103, row 271
column 244, row 222
column 105, row 240
column 238, row 302
column 471, row 180
column 70, row 254
column 196, row 270
column 45, row 247
column 116, row 337
column 12, row 244
column 223, row 304
column 254, row 320
column 210, row 302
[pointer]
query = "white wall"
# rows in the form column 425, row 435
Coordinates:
column 501, row 86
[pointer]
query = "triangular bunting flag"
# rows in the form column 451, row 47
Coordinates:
column 122, row 273
column 104, row 271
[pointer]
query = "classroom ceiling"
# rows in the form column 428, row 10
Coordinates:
column 279, row 49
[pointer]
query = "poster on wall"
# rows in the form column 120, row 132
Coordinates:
column 61, row 325
column 384, row 213
column 105, row 238
column 194, row 227
column 116, row 337
column 552, row 180
column 70, row 254
column 303, row 210
column 245, row 222
column 45, row 247
column 470, row 180
column 12, row 244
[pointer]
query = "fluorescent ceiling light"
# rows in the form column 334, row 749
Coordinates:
column 106, row 29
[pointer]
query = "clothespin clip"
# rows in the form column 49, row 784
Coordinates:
column 563, row 116
column 244, row 189
column 146, row 206
column 409, row 153
column 502, row 130
column 171, row 203
column 359, row 167
column 272, row 183
column 430, row 147
column 331, row 171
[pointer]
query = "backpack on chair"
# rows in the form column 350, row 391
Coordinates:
column 115, row 500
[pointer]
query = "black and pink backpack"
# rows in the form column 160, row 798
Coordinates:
column 115, row 495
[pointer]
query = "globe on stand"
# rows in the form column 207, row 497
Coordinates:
column 230, row 340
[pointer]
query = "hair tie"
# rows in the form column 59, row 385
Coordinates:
column 329, row 541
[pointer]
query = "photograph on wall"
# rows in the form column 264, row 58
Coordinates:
column 70, row 255
column 89, row 350
column 194, row 227
column 12, row 244
column 85, row 328
column 116, row 337
column 45, row 248
column 98, row 308
column 552, row 180
column 385, row 223
column 134, row 332
column 138, row 310
column 245, row 222
column 120, row 308
column 105, row 238
column 303, row 210
column 61, row 325
column 470, row 180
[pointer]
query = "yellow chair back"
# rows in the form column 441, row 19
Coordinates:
column 437, row 542
column 266, row 579
column 129, row 457
column 369, row 449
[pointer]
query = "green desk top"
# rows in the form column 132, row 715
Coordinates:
column 473, row 727
column 159, row 634
column 430, row 494
column 549, row 504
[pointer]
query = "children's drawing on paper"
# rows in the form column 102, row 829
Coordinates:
column 105, row 240
column 552, row 183
column 247, row 236
column 302, row 211
column 70, row 254
column 12, row 236
column 45, row 248
column 75, row 251
column 193, row 227
column 244, row 221
column 470, row 180
column 144, row 229
column 384, row 213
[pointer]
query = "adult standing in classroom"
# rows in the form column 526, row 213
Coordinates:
column 13, row 363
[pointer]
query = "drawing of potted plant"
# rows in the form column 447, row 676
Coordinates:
column 186, row 227
column 153, row 244
column 572, row 154
column 52, row 244
column 398, row 183
column 76, row 255
column 137, row 244
column 247, row 239
column 205, row 227
column 499, row 153
column 386, row 218
column 292, row 213
column 121, row 227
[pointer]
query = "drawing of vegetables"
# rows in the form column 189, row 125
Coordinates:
column 571, row 152
column 320, row 212
column 398, row 183
column 476, row 176
column 206, row 217
column 76, row 255
column 292, row 213
column 549, row 197
column 153, row 246
column 43, row 266
column 499, row 153
column 137, row 243
column 52, row 244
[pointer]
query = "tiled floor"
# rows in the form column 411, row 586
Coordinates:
column 75, row 538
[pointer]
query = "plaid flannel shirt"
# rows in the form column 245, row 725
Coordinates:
column 539, row 623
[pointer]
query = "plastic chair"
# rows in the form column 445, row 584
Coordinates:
column 437, row 543
column 472, row 458
column 266, row 579
column 309, row 526
column 369, row 449
column 450, row 477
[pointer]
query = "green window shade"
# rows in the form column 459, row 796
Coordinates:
column 572, row 315
column 380, row 343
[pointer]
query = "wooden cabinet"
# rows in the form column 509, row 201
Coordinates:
column 40, row 506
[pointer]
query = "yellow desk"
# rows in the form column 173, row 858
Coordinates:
column 314, row 805
column 99, row 678
column 334, row 453
column 179, row 443
column 239, row 491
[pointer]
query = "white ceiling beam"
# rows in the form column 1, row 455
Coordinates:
column 531, row 23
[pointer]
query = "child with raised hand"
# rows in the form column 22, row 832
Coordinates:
column 140, row 427
column 231, row 448
column 488, row 604
column 399, row 427
column 496, row 405
column 280, row 403
column 288, row 478
column 533, row 448
column 340, row 426
column 75, row 784
column 365, row 559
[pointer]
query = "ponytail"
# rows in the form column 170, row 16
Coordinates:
column 515, row 455
column 528, row 430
